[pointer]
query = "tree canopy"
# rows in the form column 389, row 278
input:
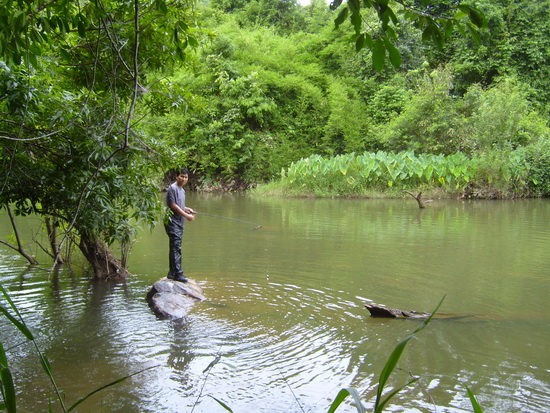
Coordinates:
column 72, row 86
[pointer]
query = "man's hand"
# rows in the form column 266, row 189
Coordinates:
column 189, row 214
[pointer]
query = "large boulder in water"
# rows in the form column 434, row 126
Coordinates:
column 173, row 299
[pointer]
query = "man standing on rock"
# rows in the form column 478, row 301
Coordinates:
column 175, row 200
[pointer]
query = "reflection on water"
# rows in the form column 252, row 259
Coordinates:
column 285, row 313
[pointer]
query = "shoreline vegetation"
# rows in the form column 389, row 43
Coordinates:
column 390, row 175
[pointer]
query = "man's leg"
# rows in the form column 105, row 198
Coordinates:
column 175, row 233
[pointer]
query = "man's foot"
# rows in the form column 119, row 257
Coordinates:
column 181, row 278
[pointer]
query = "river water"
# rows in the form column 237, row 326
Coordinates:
column 284, row 327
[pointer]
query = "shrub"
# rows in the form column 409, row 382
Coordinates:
column 538, row 159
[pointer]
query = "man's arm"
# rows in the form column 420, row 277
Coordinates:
column 187, row 213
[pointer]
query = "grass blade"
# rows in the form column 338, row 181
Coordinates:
column 475, row 404
column 380, row 407
column 394, row 358
column 106, row 386
column 222, row 404
column 19, row 324
column 6, row 384
column 389, row 367
column 341, row 396
column 212, row 363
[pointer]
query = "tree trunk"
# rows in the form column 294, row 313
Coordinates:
column 19, row 247
column 51, row 227
column 104, row 264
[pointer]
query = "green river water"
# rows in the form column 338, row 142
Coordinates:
column 285, row 316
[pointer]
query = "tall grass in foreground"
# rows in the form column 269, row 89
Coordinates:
column 388, row 369
column 7, row 387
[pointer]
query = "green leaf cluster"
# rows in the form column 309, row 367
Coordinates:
column 353, row 174
column 436, row 19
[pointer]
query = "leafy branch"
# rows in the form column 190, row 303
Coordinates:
column 437, row 21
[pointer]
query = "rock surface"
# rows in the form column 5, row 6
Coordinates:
column 173, row 299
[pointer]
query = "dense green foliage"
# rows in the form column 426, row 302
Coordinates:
column 70, row 86
column 261, row 94
column 370, row 174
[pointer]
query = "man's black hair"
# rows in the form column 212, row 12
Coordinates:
column 183, row 171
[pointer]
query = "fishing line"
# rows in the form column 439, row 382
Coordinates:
column 256, row 226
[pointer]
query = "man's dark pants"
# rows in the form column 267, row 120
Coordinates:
column 175, row 233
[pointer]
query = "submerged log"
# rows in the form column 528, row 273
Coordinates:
column 380, row 311
column 173, row 299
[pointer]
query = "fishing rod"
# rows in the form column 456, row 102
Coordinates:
column 256, row 226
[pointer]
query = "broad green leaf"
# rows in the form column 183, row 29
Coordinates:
column 335, row 4
column 161, row 5
column 476, row 17
column 389, row 12
column 378, row 54
column 395, row 57
column 342, row 16
column 474, row 33
column 368, row 41
column 449, row 27
column 356, row 21
column 361, row 42
column 81, row 24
